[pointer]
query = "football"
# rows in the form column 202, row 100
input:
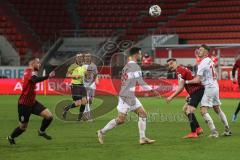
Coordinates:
column 155, row 11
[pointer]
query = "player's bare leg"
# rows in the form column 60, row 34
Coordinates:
column 222, row 116
column 142, row 115
column 111, row 124
column 47, row 119
column 209, row 121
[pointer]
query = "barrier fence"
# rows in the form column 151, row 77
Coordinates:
column 107, row 86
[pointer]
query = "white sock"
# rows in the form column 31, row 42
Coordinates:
column 142, row 127
column 87, row 109
column 209, row 121
column 109, row 126
column 223, row 118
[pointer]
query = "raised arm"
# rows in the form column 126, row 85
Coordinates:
column 37, row 79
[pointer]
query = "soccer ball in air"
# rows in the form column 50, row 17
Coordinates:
column 155, row 11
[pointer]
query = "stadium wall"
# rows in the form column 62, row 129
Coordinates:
column 164, row 86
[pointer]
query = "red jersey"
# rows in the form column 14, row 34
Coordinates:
column 184, row 73
column 236, row 67
column 28, row 94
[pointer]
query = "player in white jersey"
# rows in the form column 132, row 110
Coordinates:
column 127, row 101
column 207, row 75
column 90, row 83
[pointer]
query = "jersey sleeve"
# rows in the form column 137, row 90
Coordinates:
column 181, row 74
column 36, row 79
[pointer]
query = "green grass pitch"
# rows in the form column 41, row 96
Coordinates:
column 77, row 141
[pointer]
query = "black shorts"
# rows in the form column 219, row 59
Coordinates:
column 24, row 112
column 78, row 91
column 195, row 98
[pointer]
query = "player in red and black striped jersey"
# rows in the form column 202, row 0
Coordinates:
column 236, row 66
column 195, row 91
column 27, row 103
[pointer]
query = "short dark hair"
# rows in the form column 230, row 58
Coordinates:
column 171, row 59
column 134, row 51
column 205, row 47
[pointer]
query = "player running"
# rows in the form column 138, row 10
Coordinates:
column 76, row 72
column 89, row 83
column 194, row 90
column 131, row 74
column 206, row 75
column 27, row 103
column 236, row 67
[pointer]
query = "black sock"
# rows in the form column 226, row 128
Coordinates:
column 17, row 132
column 191, row 121
column 238, row 109
column 81, row 110
column 195, row 120
column 45, row 124
column 71, row 106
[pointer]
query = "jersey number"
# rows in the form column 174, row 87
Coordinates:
column 213, row 72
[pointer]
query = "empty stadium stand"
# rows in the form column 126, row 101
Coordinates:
column 209, row 21
column 15, row 31
column 195, row 21
column 46, row 17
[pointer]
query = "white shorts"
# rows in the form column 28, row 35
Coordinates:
column 124, row 107
column 210, row 97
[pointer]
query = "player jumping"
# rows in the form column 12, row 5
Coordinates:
column 89, row 83
column 27, row 103
column 76, row 72
column 206, row 75
column 131, row 74
column 194, row 90
column 236, row 67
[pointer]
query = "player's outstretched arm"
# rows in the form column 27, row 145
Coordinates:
column 36, row 79
column 195, row 80
column 177, row 92
column 145, row 86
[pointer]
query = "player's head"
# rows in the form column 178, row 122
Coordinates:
column 87, row 58
column 79, row 58
column 203, row 51
column 34, row 63
column 172, row 64
column 135, row 53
